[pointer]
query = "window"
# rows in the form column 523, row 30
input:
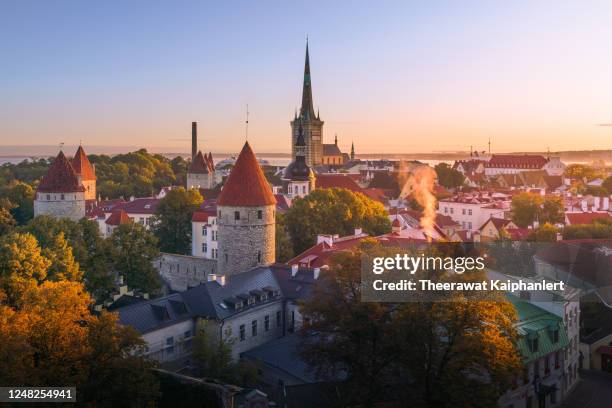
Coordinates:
column 452, row 210
column 554, row 334
column 225, row 258
column 259, row 214
column 242, row 332
column 187, row 334
column 295, row 189
column 267, row 323
column 463, row 211
column 546, row 365
column 258, row 256
column 61, row 197
column 48, row 197
column 470, row 211
column 556, row 359
column 254, row 328
column 533, row 343
column 204, row 230
column 236, row 215
column 470, row 225
column 279, row 318
column 214, row 235
column 204, row 247
column 170, row 345
column 445, row 210
column 303, row 189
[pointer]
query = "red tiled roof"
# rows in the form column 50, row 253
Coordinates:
column 118, row 217
column 246, row 184
column 82, row 166
column 520, row 161
column 498, row 223
column 60, row 177
column 327, row 180
column 210, row 161
column 138, row 206
column 282, row 203
column 199, row 165
column 518, row 234
column 202, row 216
column 377, row 194
column 585, row 217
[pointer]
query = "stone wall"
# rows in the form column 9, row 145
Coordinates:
column 245, row 243
column 181, row 272
column 313, row 136
column 196, row 180
column 71, row 206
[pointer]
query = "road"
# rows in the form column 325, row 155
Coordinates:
column 593, row 391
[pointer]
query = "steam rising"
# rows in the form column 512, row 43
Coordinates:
column 420, row 185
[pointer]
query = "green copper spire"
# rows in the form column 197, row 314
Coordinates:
column 307, row 109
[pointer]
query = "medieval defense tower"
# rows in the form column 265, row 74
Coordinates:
column 61, row 193
column 310, row 122
column 245, row 217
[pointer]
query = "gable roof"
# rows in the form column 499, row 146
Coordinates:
column 331, row 180
column 520, row 161
column 576, row 218
column 498, row 223
column 199, row 165
column 331, row 150
column 118, row 217
column 155, row 314
column 82, row 166
column 60, row 178
column 246, row 185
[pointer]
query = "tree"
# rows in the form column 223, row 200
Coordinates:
column 448, row 177
column 599, row 229
column 552, row 211
column 134, row 250
column 213, row 358
column 581, row 172
column 172, row 224
column 525, row 208
column 22, row 265
column 284, row 250
column 440, row 354
column 607, row 184
column 7, row 222
column 63, row 265
column 53, row 339
column 21, row 195
column 333, row 211
column 545, row 233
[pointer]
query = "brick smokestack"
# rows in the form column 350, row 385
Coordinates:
column 194, row 139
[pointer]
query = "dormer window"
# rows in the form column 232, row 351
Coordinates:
column 532, row 342
column 554, row 334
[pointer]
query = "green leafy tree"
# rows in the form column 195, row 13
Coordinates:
column 63, row 265
column 134, row 250
column 21, row 195
column 599, row 229
column 552, row 211
column 172, row 224
column 607, row 184
column 525, row 208
column 333, row 211
column 7, row 222
column 448, row 177
column 284, row 249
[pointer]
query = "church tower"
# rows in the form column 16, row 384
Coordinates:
column 301, row 178
column 310, row 122
column 245, row 217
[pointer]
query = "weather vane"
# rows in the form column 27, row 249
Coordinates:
column 246, row 130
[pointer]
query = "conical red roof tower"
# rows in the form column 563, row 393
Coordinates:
column 82, row 166
column 60, row 178
column 246, row 185
column 199, row 165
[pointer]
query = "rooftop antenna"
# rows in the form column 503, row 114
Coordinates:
column 246, row 130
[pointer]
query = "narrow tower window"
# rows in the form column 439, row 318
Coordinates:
column 236, row 215
column 259, row 214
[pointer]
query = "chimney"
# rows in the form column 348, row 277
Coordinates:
column 294, row 270
column 328, row 239
column 358, row 231
column 317, row 272
column 194, row 139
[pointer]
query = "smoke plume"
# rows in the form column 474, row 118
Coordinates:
column 420, row 186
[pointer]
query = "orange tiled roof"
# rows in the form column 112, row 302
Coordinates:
column 246, row 185
column 60, row 178
column 82, row 166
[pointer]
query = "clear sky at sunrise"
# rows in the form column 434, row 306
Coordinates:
column 405, row 76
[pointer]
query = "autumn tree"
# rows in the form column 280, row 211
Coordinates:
column 333, row 211
column 601, row 228
column 134, row 250
column 7, row 222
column 607, row 184
column 545, row 233
column 172, row 224
column 552, row 211
column 21, row 195
column 442, row 354
column 525, row 208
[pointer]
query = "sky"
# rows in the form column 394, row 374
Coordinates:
column 392, row 76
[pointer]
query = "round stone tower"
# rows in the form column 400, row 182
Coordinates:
column 245, row 217
column 60, row 193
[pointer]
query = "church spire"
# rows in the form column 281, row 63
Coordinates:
column 352, row 151
column 307, row 109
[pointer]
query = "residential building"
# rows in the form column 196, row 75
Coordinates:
column 472, row 210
